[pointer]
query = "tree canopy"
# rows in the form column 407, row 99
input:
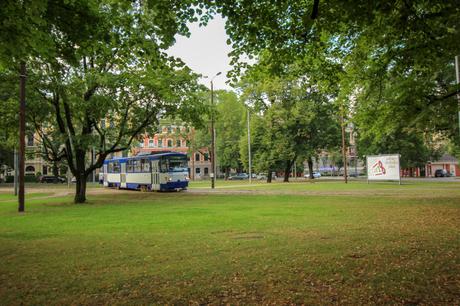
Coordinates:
column 101, row 77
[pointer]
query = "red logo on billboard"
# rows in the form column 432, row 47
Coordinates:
column 378, row 168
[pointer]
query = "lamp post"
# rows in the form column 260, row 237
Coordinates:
column 213, row 147
column 22, row 135
column 457, row 77
column 249, row 151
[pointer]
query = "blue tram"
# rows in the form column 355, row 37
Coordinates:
column 159, row 172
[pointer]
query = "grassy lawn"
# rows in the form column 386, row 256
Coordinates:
column 398, row 246
column 10, row 196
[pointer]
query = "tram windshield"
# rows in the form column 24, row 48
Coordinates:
column 173, row 164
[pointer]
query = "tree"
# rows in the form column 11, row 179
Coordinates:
column 405, row 48
column 230, row 126
column 296, row 103
column 112, row 85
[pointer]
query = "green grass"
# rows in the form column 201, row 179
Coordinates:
column 178, row 248
column 9, row 196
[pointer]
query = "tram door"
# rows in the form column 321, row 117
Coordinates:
column 155, row 175
column 123, row 175
column 106, row 183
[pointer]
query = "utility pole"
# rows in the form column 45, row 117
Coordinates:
column 457, row 75
column 249, row 151
column 344, row 152
column 212, row 138
column 93, row 173
column 22, row 134
column 213, row 156
column 15, row 162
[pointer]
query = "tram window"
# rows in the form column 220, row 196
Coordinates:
column 129, row 166
column 173, row 164
column 110, row 167
column 116, row 167
column 145, row 165
column 136, row 165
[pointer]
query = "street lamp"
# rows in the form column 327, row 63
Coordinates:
column 213, row 135
column 249, row 150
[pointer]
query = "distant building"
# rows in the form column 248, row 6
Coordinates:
column 446, row 162
column 177, row 138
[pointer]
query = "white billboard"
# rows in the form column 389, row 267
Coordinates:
column 383, row 167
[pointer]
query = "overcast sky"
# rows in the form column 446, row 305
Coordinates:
column 206, row 51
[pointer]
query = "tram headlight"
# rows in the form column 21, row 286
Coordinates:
column 187, row 178
column 169, row 179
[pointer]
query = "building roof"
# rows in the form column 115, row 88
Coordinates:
column 446, row 158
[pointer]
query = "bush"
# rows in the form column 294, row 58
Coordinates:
column 27, row 179
column 30, row 179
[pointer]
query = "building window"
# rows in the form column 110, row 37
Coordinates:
column 187, row 143
column 45, row 170
column 160, row 143
column 206, row 170
column 151, row 144
column 169, row 129
column 206, row 156
column 30, row 169
column 103, row 123
column 178, row 143
column 30, row 140
column 197, row 170
column 169, row 143
column 197, row 156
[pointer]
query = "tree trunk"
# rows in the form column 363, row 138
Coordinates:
column 80, row 175
column 55, row 169
column 227, row 173
column 287, row 171
column 310, row 167
column 80, row 191
column 269, row 176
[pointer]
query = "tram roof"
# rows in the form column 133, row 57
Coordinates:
column 149, row 156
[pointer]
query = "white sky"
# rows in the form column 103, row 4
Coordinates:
column 206, row 51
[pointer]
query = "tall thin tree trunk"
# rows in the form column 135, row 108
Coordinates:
column 310, row 167
column 287, row 171
column 269, row 175
column 55, row 169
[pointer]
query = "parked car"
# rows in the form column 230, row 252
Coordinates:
column 441, row 173
column 261, row 176
column 51, row 179
column 239, row 176
column 315, row 175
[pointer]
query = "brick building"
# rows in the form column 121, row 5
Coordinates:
column 177, row 138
